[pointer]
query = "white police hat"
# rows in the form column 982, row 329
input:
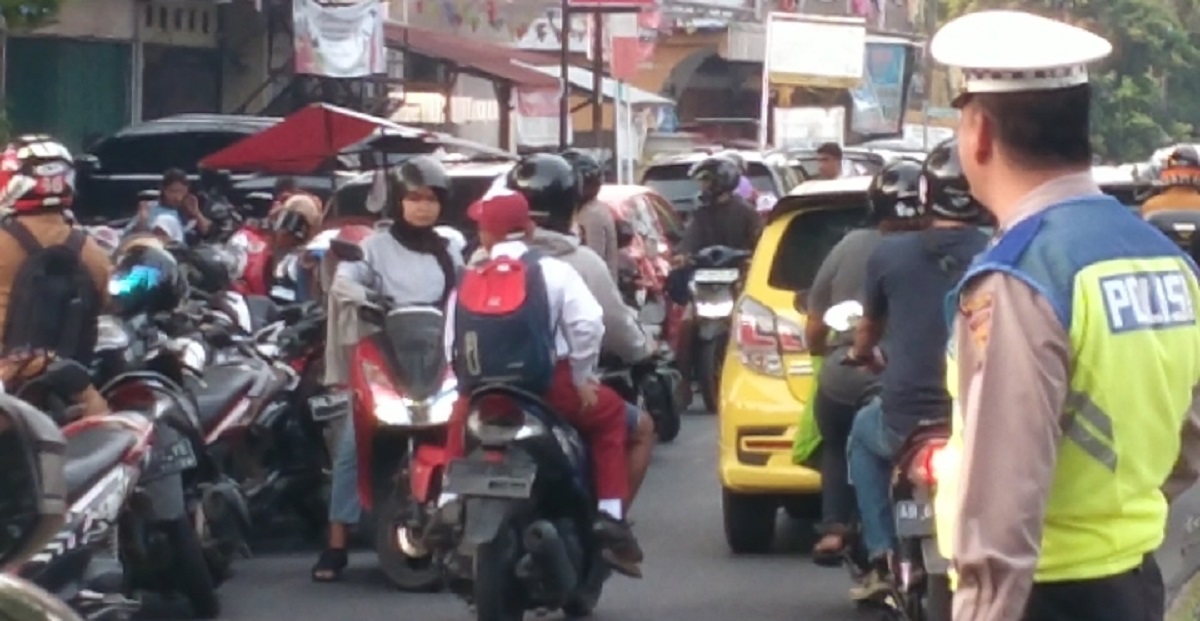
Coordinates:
column 1013, row 51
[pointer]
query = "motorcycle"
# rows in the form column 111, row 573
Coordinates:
column 522, row 522
column 653, row 385
column 400, row 379
column 921, row 589
column 32, row 449
column 278, row 451
column 151, row 370
column 127, row 528
column 714, row 285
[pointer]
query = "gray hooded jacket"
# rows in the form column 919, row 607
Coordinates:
column 623, row 335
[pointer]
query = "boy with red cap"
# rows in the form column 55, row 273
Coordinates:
column 575, row 393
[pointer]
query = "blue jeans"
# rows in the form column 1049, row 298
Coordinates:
column 870, row 452
column 344, row 504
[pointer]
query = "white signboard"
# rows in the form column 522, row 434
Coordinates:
column 809, row 126
column 808, row 50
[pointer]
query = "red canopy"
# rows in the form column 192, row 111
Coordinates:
column 307, row 142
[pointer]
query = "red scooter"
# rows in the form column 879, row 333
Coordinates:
column 403, row 393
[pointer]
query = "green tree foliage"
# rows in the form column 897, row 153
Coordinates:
column 1147, row 94
column 21, row 14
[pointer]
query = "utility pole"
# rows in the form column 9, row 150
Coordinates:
column 564, row 72
column 929, row 10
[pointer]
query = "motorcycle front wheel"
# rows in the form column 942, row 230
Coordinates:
column 710, row 357
column 406, row 566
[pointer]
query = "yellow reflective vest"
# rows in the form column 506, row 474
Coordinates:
column 1127, row 298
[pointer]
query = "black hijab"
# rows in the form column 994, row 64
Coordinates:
column 425, row 240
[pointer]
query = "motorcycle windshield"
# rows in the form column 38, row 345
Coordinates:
column 412, row 346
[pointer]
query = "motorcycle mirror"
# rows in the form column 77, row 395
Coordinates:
column 844, row 316
column 66, row 377
column 32, row 456
column 346, row 251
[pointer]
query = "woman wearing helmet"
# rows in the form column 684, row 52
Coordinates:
column 594, row 221
column 1180, row 183
column 744, row 189
column 908, row 277
column 410, row 263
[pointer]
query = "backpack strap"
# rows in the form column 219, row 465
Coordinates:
column 75, row 241
column 21, row 233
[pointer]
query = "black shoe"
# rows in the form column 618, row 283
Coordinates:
column 620, row 548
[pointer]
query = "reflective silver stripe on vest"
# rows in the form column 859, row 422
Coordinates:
column 1096, row 436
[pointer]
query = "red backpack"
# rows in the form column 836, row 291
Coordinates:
column 503, row 333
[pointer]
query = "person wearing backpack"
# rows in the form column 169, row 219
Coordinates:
column 550, row 185
column 520, row 309
column 53, row 277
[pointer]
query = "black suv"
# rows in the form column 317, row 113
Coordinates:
column 116, row 168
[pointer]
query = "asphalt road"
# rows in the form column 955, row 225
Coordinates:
column 689, row 572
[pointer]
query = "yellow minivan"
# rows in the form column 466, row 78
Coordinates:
column 767, row 375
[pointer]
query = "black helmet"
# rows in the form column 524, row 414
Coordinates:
column 588, row 171
column 1184, row 156
column 943, row 188
column 207, row 268
column 550, row 185
column 422, row 171
column 147, row 279
column 717, row 175
column 736, row 158
column 893, row 192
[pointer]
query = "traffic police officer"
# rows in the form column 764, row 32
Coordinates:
column 1075, row 352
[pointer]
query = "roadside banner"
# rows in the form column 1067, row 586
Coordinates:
column 339, row 41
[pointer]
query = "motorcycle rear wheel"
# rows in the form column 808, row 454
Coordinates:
column 496, row 590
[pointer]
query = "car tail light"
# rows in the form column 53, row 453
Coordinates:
column 927, row 463
column 762, row 338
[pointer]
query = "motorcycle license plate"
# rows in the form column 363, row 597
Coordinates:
column 283, row 293
column 913, row 518
column 172, row 460
column 329, row 407
column 721, row 276
column 469, row 477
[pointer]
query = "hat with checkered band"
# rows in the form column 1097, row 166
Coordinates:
column 1013, row 51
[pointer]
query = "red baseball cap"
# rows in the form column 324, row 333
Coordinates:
column 501, row 214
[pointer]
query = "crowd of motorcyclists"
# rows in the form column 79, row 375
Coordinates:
column 490, row 350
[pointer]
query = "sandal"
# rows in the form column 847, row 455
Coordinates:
column 330, row 565
column 829, row 551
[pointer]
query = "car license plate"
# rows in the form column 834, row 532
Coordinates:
column 330, row 406
column 172, row 460
column 470, row 477
column 913, row 518
column 721, row 276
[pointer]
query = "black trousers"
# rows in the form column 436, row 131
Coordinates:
column 834, row 420
column 1136, row 595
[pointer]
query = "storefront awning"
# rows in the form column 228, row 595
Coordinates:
column 485, row 60
column 582, row 79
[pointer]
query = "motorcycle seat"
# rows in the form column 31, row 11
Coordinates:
column 263, row 311
column 92, row 452
column 221, row 388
